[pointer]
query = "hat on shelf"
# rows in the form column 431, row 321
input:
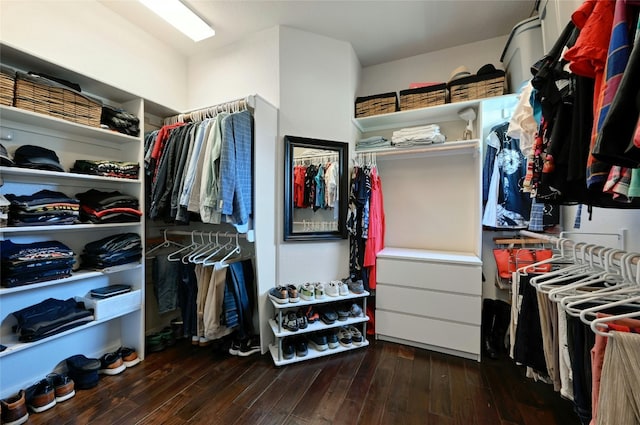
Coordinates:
column 489, row 70
column 5, row 159
column 31, row 156
column 458, row 73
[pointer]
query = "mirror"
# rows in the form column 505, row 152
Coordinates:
column 315, row 192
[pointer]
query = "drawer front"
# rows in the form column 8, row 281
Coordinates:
column 439, row 305
column 454, row 336
column 460, row 278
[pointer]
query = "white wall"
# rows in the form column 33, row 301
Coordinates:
column 434, row 66
column 86, row 37
column 317, row 89
column 247, row 67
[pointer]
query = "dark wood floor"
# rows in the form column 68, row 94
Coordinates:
column 384, row 383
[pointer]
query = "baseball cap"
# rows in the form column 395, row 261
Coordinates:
column 5, row 159
column 31, row 156
column 458, row 73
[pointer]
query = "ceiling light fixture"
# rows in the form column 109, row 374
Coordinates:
column 181, row 17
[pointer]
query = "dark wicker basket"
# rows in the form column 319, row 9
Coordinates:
column 423, row 96
column 7, row 85
column 474, row 87
column 376, row 104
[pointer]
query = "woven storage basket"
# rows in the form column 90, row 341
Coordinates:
column 376, row 104
column 475, row 87
column 7, row 85
column 41, row 95
column 423, row 96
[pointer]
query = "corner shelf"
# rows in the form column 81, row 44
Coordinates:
column 16, row 173
column 447, row 148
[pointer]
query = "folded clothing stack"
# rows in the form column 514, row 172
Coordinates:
column 23, row 264
column 123, row 248
column 120, row 169
column 108, row 207
column 119, row 120
column 414, row 136
column 373, row 142
column 43, row 208
column 50, row 317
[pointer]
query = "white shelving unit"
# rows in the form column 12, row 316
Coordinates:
column 22, row 364
column 429, row 287
column 280, row 333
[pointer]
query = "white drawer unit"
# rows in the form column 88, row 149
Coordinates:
column 430, row 299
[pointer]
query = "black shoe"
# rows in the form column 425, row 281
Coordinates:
column 41, row 396
column 234, row 349
column 288, row 351
column 83, row 371
column 301, row 347
column 249, row 346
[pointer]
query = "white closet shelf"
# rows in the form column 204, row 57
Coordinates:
column 15, row 346
column 325, row 300
column 34, row 119
column 430, row 255
column 312, row 353
column 446, row 148
column 318, row 325
column 65, row 228
column 17, row 173
column 75, row 276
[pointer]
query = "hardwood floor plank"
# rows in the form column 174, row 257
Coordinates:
column 419, row 397
column 397, row 404
column 502, row 387
column 379, row 388
column 461, row 396
column 484, row 406
column 440, row 386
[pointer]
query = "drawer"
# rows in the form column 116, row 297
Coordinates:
column 453, row 336
column 440, row 305
column 460, row 278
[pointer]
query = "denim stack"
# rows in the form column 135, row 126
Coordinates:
column 112, row 251
column 108, row 207
column 50, row 317
column 123, row 170
column 23, row 264
column 43, row 208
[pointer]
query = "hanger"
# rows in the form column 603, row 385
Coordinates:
column 210, row 254
column 165, row 244
column 542, row 281
column 172, row 256
column 223, row 262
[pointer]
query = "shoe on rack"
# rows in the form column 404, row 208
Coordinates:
column 301, row 319
column 355, row 311
column 292, row 293
column 288, row 349
column 249, row 346
column 332, row 338
column 343, row 289
column 83, row 371
column 63, row 386
column 331, row 289
column 301, row 347
column 279, row 294
column 312, row 314
column 307, row 291
column 289, row 321
column 111, row 364
column 344, row 336
column 129, row 356
column 356, row 335
column 328, row 316
column 41, row 396
column 318, row 290
column 14, row 409
column 343, row 312
column 318, row 341
column 357, row 287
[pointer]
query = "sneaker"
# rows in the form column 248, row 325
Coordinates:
column 319, row 290
column 307, row 291
column 83, row 371
column 292, row 293
column 177, row 326
column 332, row 338
column 41, row 396
column 343, row 312
column 129, row 356
column 356, row 287
column 356, row 311
column 344, row 336
column 301, row 347
column 318, row 341
column 279, row 294
column 332, row 289
column 312, row 314
column 301, row 319
column 63, row 386
column 356, row 335
column 343, row 289
column 14, row 409
column 290, row 321
column 167, row 336
column 288, row 350
column 328, row 316
column 156, row 343
column 111, row 364
column 249, row 346
column 234, row 349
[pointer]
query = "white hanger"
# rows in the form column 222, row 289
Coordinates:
column 545, row 282
column 172, row 256
column 235, row 251
column 165, row 244
column 207, row 260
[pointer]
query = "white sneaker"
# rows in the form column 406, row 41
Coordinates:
column 343, row 289
column 332, row 288
column 307, row 291
column 319, row 290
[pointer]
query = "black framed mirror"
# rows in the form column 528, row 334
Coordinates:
column 315, row 189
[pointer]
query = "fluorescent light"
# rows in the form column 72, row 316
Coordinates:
column 181, row 17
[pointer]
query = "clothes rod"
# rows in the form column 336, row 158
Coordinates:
column 249, row 236
column 199, row 114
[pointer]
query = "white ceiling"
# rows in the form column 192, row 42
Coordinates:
column 379, row 31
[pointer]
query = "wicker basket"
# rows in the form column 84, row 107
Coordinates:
column 423, row 96
column 474, row 87
column 41, row 95
column 376, row 104
column 7, row 85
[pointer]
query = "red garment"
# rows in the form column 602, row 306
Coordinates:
column 375, row 240
column 158, row 147
column 299, row 173
column 100, row 214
